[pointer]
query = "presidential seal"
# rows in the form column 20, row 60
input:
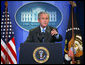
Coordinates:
column 41, row 54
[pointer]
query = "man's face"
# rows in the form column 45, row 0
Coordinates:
column 44, row 20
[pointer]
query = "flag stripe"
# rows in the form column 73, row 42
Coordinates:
column 1, row 63
column 9, row 63
column 9, row 53
column 12, row 50
column 3, row 55
column 13, row 41
column 8, row 56
column 11, row 56
column 2, row 60
column 12, row 45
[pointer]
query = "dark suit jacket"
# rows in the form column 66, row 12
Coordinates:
column 35, row 35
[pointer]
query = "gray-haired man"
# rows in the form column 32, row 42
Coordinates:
column 44, row 33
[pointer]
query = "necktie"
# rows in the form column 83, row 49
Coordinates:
column 43, row 30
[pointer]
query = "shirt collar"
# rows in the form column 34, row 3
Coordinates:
column 42, row 29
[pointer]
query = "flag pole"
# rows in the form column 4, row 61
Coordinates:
column 6, row 59
column 73, row 3
column 71, row 43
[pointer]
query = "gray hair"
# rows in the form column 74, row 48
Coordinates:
column 42, row 13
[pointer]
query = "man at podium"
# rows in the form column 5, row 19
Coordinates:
column 42, row 53
column 43, row 33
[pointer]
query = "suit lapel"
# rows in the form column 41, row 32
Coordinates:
column 38, row 34
column 47, row 34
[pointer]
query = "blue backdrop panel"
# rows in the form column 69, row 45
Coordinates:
column 21, row 35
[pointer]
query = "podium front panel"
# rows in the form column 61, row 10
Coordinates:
column 27, row 49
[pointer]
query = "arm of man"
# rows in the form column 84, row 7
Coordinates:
column 56, row 35
column 29, row 38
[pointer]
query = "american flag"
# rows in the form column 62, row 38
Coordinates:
column 8, row 50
